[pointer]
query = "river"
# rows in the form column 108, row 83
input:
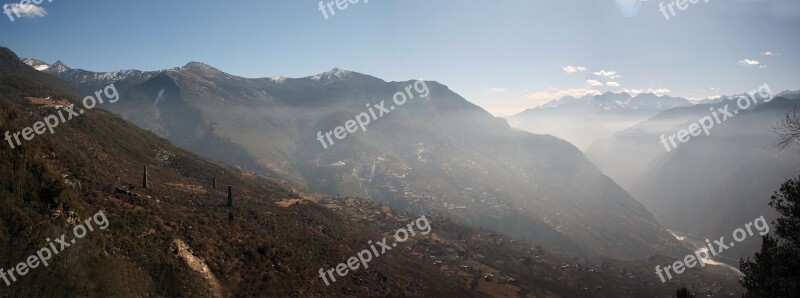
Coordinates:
column 698, row 244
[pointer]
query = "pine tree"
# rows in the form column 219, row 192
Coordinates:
column 684, row 293
column 775, row 270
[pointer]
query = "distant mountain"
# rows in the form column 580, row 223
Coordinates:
column 86, row 79
column 583, row 120
column 37, row 64
column 790, row 94
column 712, row 184
column 713, row 99
column 442, row 154
column 617, row 102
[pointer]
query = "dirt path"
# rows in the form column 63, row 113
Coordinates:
column 199, row 266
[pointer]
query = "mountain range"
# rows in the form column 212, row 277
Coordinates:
column 177, row 237
column 427, row 156
column 584, row 120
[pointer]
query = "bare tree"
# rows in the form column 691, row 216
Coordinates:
column 788, row 129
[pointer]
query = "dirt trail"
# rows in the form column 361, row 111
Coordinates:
column 199, row 266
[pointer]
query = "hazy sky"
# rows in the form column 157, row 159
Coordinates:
column 502, row 55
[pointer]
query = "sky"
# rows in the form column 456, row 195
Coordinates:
column 505, row 56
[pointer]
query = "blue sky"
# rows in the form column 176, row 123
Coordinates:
column 502, row 55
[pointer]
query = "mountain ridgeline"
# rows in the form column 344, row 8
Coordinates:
column 439, row 155
column 587, row 119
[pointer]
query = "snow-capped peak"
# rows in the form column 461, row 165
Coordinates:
column 36, row 64
column 611, row 101
column 59, row 66
column 336, row 73
column 43, row 66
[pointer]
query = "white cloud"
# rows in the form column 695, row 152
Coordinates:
column 497, row 90
column 713, row 88
column 762, row 66
column 573, row 69
column 27, row 11
column 594, row 83
column 659, row 91
column 770, row 53
column 607, row 74
column 545, row 96
column 612, row 84
column 748, row 62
